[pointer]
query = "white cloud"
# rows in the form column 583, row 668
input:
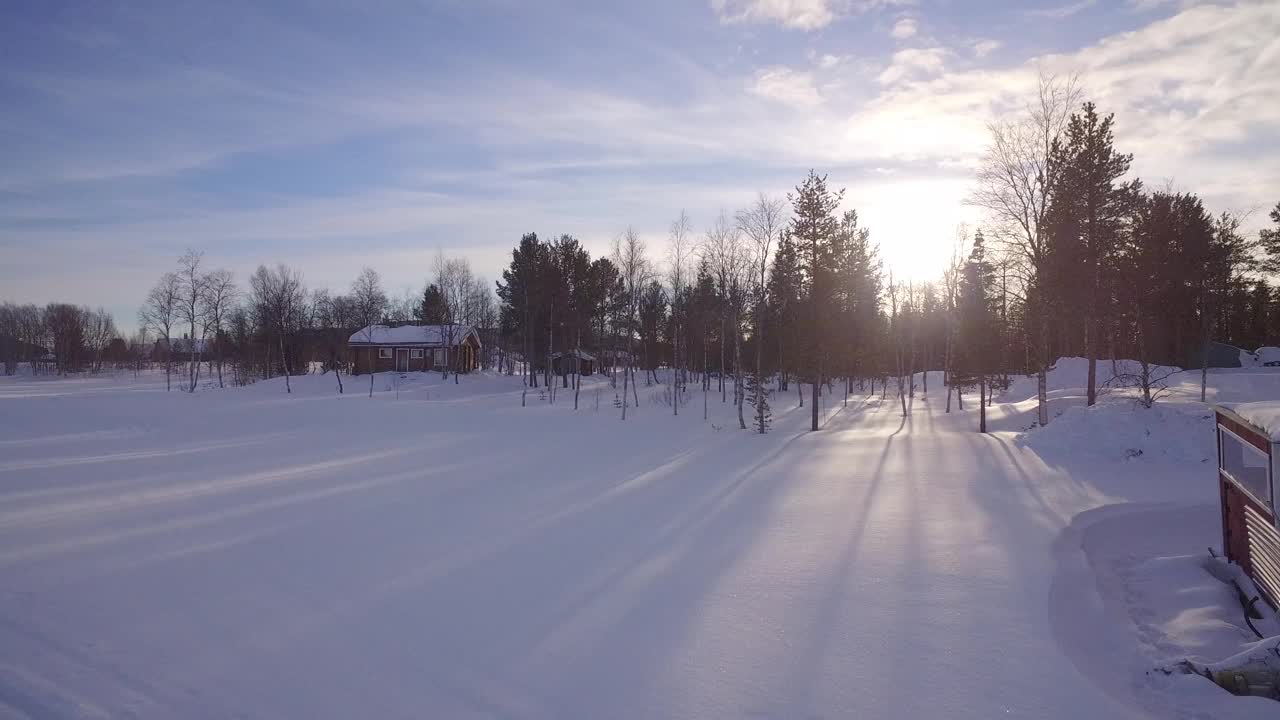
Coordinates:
column 905, row 27
column 826, row 62
column 913, row 62
column 798, row 14
column 1193, row 96
column 1063, row 11
column 787, row 86
column 983, row 48
column 1140, row 6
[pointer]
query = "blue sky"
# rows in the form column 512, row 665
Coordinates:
column 333, row 134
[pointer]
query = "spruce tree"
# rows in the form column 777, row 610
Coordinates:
column 431, row 310
column 977, row 324
column 1087, row 212
column 1269, row 239
column 783, row 304
column 814, row 227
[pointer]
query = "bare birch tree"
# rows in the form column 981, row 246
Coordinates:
column 724, row 254
column 219, row 297
column 99, row 330
column 762, row 223
column 190, row 310
column 367, row 303
column 1013, row 187
column 633, row 268
column 457, row 287
column 677, row 276
column 159, row 313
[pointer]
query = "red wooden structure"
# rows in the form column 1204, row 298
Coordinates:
column 1246, row 478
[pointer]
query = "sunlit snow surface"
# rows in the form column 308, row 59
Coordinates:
column 440, row 551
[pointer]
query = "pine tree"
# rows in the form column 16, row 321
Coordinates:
column 1086, row 213
column 814, row 227
column 431, row 310
column 977, row 324
column 1269, row 239
column 783, row 305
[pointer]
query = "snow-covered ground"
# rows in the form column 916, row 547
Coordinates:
column 440, row 551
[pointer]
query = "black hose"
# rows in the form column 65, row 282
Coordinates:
column 1248, row 606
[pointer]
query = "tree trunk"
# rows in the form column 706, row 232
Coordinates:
column 706, row 385
column 739, row 391
column 675, row 369
column 626, row 375
column 760, row 388
column 722, row 367
column 817, row 381
column 287, row 387
column 982, row 403
column 1204, row 354
column 1042, row 374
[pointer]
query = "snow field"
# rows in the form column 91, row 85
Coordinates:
column 439, row 551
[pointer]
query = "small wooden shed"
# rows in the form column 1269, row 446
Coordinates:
column 1248, row 435
column 565, row 363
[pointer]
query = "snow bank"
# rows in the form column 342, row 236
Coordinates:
column 1121, row 431
column 1072, row 374
column 1163, row 452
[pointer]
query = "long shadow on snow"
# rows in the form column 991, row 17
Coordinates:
column 835, row 603
column 695, row 542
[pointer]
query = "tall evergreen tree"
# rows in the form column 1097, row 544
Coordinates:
column 1088, row 207
column 431, row 310
column 975, row 344
column 1269, row 239
column 784, row 293
column 814, row 227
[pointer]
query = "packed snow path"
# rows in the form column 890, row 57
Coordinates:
column 450, row 554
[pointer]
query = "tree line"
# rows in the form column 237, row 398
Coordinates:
column 59, row 337
column 1073, row 257
column 278, row 327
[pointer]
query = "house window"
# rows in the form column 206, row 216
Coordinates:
column 416, row 353
column 384, row 353
column 439, row 356
column 1246, row 465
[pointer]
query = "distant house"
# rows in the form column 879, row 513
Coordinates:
column 1222, row 355
column 566, row 363
column 1248, row 437
column 409, row 348
column 179, row 349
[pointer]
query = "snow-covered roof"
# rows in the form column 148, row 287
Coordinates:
column 430, row 335
column 581, row 355
column 183, row 345
column 1264, row 415
column 1268, row 354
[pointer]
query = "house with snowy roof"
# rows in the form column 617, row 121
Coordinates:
column 180, row 348
column 414, row 348
column 1248, row 438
